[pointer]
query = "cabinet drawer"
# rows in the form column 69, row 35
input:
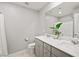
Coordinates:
column 59, row 53
column 47, row 46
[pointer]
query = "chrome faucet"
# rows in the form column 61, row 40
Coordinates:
column 76, row 35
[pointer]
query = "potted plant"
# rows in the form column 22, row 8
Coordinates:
column 55, row 29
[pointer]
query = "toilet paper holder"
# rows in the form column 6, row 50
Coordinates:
column 26, row 39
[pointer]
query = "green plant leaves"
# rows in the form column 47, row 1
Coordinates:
column 52, row 27
column 58, row 25
column 56, row 28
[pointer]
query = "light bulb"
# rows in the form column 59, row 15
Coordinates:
column 59, row 12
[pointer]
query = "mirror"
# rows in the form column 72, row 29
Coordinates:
column 64, row 13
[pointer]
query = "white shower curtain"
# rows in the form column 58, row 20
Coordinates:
column 3, row 42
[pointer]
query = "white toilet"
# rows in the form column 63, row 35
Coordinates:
column 31, row 48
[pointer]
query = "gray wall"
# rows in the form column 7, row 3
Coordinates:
column 46, row 22
column 20, row 23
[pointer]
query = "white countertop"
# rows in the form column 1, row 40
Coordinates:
column 65, row 46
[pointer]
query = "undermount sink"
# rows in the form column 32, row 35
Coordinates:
column 66, row 40
column 74, row 41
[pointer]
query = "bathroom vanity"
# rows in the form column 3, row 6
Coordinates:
column 49, row 47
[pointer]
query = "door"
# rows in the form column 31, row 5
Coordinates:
column 3, row 42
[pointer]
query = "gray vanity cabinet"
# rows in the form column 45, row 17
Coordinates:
column 38, row 48
column 43, row 49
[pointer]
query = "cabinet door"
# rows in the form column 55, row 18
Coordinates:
column 47, row 46
column 41, row 49
column 52, row 55
column 38, row 48
column 59, row 53
column 46, row 53
column 46, row 50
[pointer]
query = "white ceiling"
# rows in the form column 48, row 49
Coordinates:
column 32, row 5
column 66, row 8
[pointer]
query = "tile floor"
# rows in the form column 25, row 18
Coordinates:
column 23, row 53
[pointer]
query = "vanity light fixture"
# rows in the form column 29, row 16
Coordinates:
column 60, row 12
